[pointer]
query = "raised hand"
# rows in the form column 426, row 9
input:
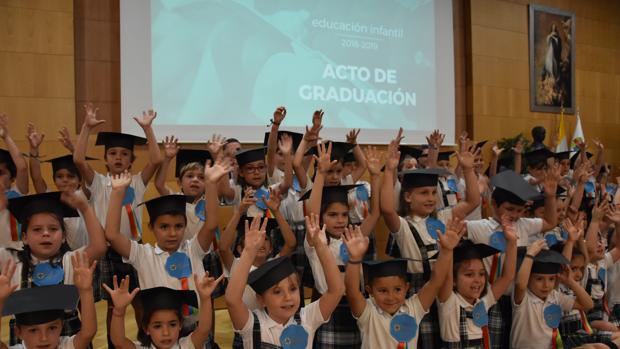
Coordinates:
column 4, row 126
column 215, row 145
column 497, row 151
column 171, row 147
column 580, row 143
column 278, row 115
column 90, row 116
column 455, row 229
column 8, row 270
column 74, row 200
column 356, row 242
column 206, row 284
column 352, row 136
column 316, row 234
column 34, row 138
column 551, row 179
column 536, row 247
column 393, row 156
column 599, row 145
column 220, row 168
column 435, row 139
column 285, row 144
column 255, row 234
column 613, row 214
column 83, row 271
column 566, row 276
column 275, row 198
column 312, row 134
column 324, row 162
column 518, row 148
column 600, row 210
column 509, row 228
column 574, row 231
column 120, row 294
column 466, row 159
column 65, row 139
column 147, row 118
column 121, row 180
column 373, row 161
column 247, row 200
column 463, row 141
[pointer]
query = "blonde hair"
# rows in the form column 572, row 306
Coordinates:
column 191, row 166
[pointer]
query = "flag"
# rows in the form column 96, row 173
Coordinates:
column 562, row 145
column 577, row 135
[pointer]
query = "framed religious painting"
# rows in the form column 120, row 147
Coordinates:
column 552, row 59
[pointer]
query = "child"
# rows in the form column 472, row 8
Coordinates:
column 537, row 304
column 387, row 286
column 163, row 315
column 40, row 311
column 536, row 164
column 277, row 290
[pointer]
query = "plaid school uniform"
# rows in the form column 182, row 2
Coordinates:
column 340, row 331
column 574, row 334
column 465, row 342
column 256, row 341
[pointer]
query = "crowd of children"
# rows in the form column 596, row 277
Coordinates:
column 517, row 252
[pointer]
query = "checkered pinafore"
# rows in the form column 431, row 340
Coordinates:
column 465, row 342
column 256, row 337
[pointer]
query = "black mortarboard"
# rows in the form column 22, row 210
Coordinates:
column 539, row 200
column 65, row 162
column 5, row 158
column 117, row 139
column 272, row 224
column 270, row 273
column 166, row 204
column 391, row 267
column 39, row 305
column 426, row 177
column 24, row 207
column 339, row 149
column 562, row 155
column 512, row 188
column 295, row 136
column 188, row 156
column 481, row 144
column 468, row 250
column 548, row 262
column 336, row 193
column 349, row 157
column 250, row 155
column 158, row 298
column 444, row 155
column 406, row 151
column 573, row 159
column 537, row 157
column 505, row 163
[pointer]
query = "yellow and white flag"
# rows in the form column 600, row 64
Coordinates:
column 562, row 145
column 577, row 135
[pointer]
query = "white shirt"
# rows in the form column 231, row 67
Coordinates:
column 291, row 208
column 450, row 316
column 67, row 266
column 249, row 296
column 6, row 240
column 529, row 329
column 613, row 285
column 315, row 264
column 100, row 191
column 598, row 291
column 76, row 232
column 253, row 210
column 65, row 343
column 374, row 323
column 182, row 343
column 270, row 331
column 358, row 208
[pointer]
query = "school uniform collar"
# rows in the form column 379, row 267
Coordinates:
column 494, row 223
column 159, row 251
column 417, row 219
column 463, row 303
column 402, row 309
column 536, row 299
column 271, row 323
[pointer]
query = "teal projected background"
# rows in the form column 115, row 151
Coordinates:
column 368, row 63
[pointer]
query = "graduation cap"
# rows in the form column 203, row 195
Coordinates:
column 117, row 139
column 468, row 250
column 426, row 177
column 24, row 207
column 339, row 149
column 65, row 162
column 391, row 267
column 272, row 224
column 39, row 305
column 408, row 151
column 573, row 159
column 349, row 157
column 539, row 156
column 549, row 262
column 270, row 273
column 5, row 158
column 562, row 155
column 510, row 187
column 250, row 155
column 336, row 193
column 158, row 298
column 295, row 136
column 539, row 201
column 188, row 156
column 481, row 144
column 166, row 204
column 444, row 155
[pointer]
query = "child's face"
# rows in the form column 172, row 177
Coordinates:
column 118, row 159
column 478, row 163
column 44, row 235
column 542, row 284
column 348, row 168
column 597, row 252
column 280, row 162
column 193, row 182
column 66, row 180
column 43, row 336
column 537, row 171
column 5, row 176
column 445, row 164
column 539, row 212
column 281, row 300
column 389, row 292
column 512, row 211
column 578, row 266
column 564, row 167
column 409, row 164
column 422, row 201
column 423, row 160
column 232, row 148
column 164, row 328
column 334, row 175
column 471, row 278
column 168, row 230
column 254, row 173
column 336, row 218
column 561, row 207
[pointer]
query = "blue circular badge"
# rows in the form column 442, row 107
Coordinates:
column 479, row 314
column 45, row 274
column 178, row 265
column 564, row 234
column 294, row 337
column 434, row 224
column 498, row 241
column 403, row 328
column 11, row 194
column 601, row 274
column 361, row 193
column 589, row 187
column 552, row 314
column 129, row 197
column 259, row 195
column 344, row 253
column 551, row 239
column 452, row 185
column 296, row 185
column 199, row 210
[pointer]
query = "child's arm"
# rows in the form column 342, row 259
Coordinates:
column 155, row 157
column 230, row 232
column 272, row 143
column 119, row 242
column 614, row 216
column 574, row 234
column 374, row 168
column 580, row 176
column 550, row 183
column 5, row 287
column 21, row 167
column 583, row 301
column 212, row 176
column 254, row 238
column 323, row 165
column 83, row 271
column 286, row 147
column 357, row 154
column 497, row 151
column 502, row 283
column 97, row 246
column 518, row 151
column 598, row 212
column 357, row 244
column 79, row 156
column 121, row 299
column 65, row 139
column 443, row 266
column 435, row 140
column 171, row 148
column 390, row 216
column 35, row 139
column 309, row 139
column 472, row 190
column 335, row 287
column 523, row 275
column 273, row 204
column 204, row 287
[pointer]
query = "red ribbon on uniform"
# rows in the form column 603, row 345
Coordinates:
column 133, row 222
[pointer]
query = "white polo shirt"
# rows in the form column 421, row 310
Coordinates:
column 182, row 343
column 315, row 264
column 270, row 331
column 529, row 329
column 76, row 232
column 253, row 210
column 450, row 316
column 67, row 266
column 374, row 323
column 598, row 291
column 66, row 342
column 613, row 285
column 6, row 240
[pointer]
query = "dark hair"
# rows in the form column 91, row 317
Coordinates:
column 405, row 278
column 10, row 166
column 144, row 338
column 499, row 196
column 73, row 170
column 457, row 265
column 231, row 140
column 133, row 158
column 172, row 213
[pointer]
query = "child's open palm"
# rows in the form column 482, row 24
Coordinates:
column 455, row 229
column 356, row 242
column 214, row 172
column 90, row 116
column 5, row 279
column 121, row 180
column 74, row 200
column 285, row 144
column 275, row 198
column 171, row 146
column 82, row 270
column 536, row 247
column 120, row 294
column 34, row 138
column 65, row 139
column 373, row 161
column 147, row 118
column 255, row 234
column 316, row 235
column 206, row 284
column 324, row 162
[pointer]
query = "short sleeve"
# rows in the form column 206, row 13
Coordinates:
column 137, row 183
column 311, row 316
column 97, row 185
column 609, row 260
column 186, row 342
column 136, row 254
column 195, row 249
column 248, row 327
column 565, row 302
column 531, row 226
column 364, row 317
column 445, row 215
column 66, row 342
column 413, row 303
column 448, row 307
column 477, row 231
column 489, row 298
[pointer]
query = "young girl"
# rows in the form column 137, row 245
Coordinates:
column 163, row 315
column 40, row 311
column 387, row 284
column 466, row 290
column 537, row 304
column 280, row 319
